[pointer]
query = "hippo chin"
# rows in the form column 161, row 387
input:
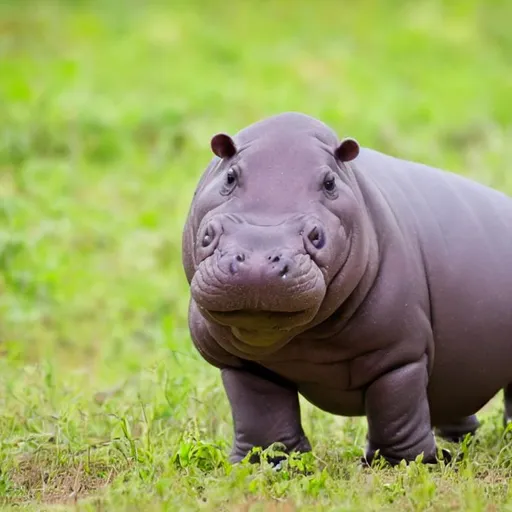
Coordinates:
column 368, row 284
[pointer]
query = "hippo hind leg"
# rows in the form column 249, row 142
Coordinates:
column 457, row 430
column 507, row 412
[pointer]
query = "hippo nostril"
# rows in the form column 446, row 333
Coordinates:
column 208, row 236
column 316, row 237
column 236, row 259
column 284, row 271
column 276, row 259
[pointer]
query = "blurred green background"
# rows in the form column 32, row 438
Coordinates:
column 106, row 113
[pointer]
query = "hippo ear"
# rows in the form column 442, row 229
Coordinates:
column 347, row 150
column 223, row 145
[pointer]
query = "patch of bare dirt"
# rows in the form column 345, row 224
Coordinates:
column 56, row 485
column 266, row 506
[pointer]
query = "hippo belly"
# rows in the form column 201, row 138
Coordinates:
column 321, row 372
column 469, row 370
column 334, row 401
column 328, row 391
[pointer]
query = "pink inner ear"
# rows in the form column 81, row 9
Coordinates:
column 347, row 150
column 223, row 145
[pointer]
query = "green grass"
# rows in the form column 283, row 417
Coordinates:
column 106, row 113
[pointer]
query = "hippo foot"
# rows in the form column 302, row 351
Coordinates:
column 275, row 454
column 368, row 460
column 277, row 462
column 257, row 457
column 456, row 432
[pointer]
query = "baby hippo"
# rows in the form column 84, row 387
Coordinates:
column 368, row 284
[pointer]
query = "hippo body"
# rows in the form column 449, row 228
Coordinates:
column 413, row 328
column 446, row 266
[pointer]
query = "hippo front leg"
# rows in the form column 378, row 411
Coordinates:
column 265, row 411
column 399, row 417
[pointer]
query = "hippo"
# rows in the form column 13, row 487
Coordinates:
column 367, row 284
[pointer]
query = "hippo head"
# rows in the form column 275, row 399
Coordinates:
column 272, row 224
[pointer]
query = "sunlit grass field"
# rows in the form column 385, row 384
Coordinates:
column 106, row 113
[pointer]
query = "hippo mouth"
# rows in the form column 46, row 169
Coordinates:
column 252, row 341
column 259, row 328
column 252, row 320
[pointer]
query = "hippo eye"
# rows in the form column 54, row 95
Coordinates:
column 329, row 184
column 230, row 177
column 230, row 181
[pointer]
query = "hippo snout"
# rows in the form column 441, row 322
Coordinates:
column 260, row 279
column 274, row 265
column 253, row 276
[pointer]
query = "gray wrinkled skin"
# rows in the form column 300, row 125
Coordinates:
column 389, row 297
